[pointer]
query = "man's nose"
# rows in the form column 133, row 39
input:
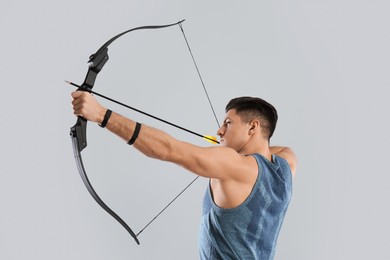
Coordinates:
column 220, row 131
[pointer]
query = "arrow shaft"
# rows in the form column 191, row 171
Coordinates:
column 142, row 112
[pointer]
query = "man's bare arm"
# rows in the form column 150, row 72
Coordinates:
column 213, row 162
column 287, row 154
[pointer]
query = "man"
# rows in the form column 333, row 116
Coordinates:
column 250, row 182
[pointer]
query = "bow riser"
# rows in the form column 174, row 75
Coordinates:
column 96, row 63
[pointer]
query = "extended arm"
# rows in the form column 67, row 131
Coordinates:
column 212, row 162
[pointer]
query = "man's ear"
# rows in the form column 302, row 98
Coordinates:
column 254, row 126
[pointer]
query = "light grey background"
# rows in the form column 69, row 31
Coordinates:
column 323, row 64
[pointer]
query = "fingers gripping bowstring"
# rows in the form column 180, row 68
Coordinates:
column 216, row 119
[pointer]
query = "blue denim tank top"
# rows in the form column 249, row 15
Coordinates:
column 250, row 230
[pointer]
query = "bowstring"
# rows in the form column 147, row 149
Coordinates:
column 200, row 76
column 216, row 119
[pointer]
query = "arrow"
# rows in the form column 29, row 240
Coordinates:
column 209, row 138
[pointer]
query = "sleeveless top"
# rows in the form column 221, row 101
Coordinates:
column 250, row 230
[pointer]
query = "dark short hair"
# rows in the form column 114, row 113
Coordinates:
column 249, row 108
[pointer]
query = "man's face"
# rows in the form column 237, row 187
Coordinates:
column 234, row 132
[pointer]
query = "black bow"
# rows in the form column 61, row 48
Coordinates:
column 78, row 131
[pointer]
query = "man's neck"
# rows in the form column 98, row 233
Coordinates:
column 260, row 147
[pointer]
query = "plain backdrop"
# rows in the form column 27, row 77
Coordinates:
column 323, row 64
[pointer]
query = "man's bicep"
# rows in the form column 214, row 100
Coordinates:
column 210, row 162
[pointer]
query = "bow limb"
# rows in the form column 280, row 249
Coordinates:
column 75, row 132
